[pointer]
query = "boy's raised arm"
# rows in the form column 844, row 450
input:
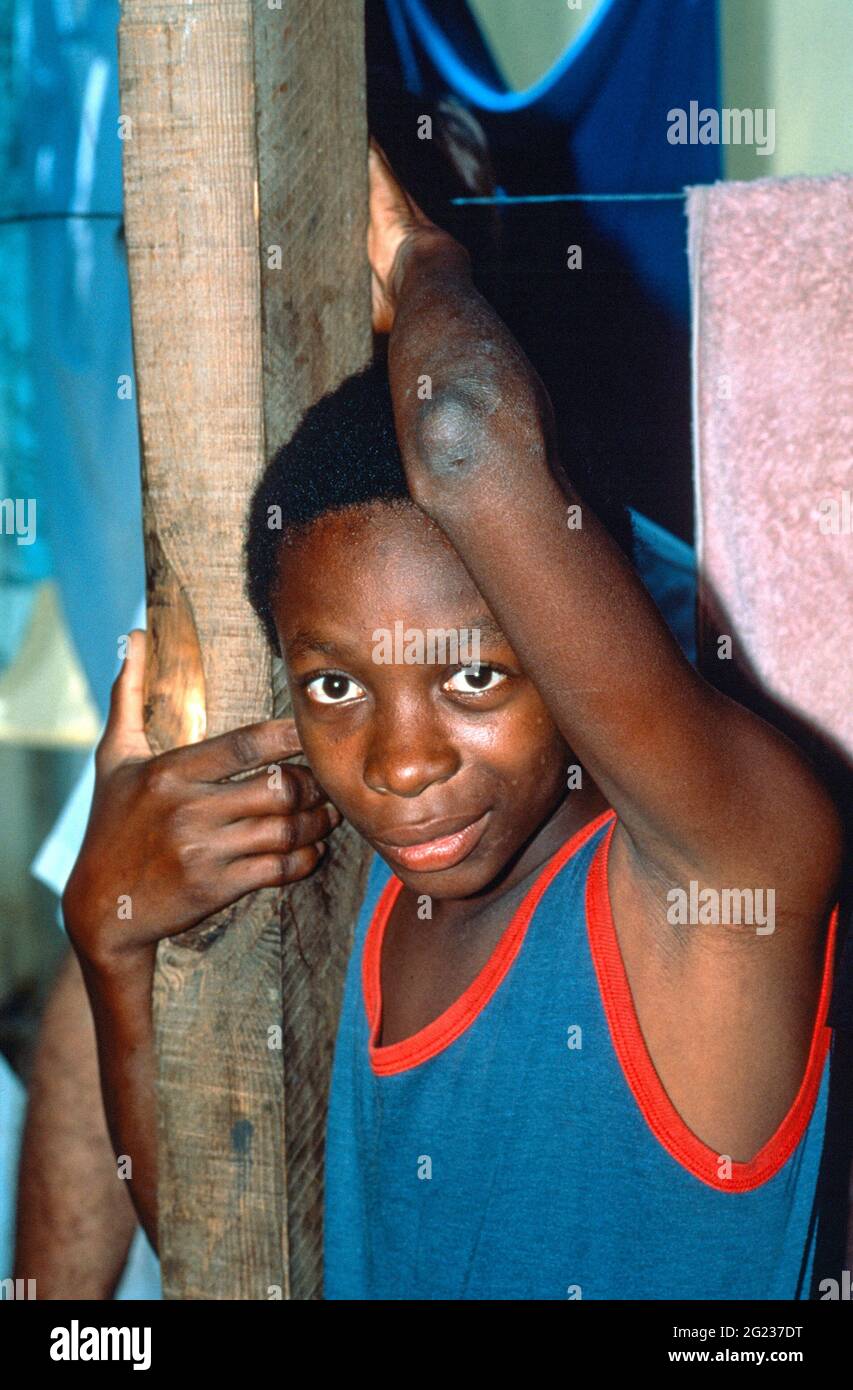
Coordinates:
column 701, row 785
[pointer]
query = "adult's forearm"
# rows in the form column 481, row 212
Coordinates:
column 75, row 1219
column 120, row 997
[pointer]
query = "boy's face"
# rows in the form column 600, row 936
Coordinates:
column 447, row 775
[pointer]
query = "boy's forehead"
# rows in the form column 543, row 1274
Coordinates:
column 361, row 552
column 367, row 561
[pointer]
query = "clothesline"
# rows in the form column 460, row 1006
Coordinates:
column 498, row 200
column 503, row 199
column 59, row 216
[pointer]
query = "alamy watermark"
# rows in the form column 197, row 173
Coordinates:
column 18, row 518
column 835, row 514
column 431, row 646
column 11, row 1289
column 728, row 126
column 695, row 906
column 837, row 1288
column 84, row 1343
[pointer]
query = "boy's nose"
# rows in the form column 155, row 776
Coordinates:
column 404, row 760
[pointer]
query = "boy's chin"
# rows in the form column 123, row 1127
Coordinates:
column 463, row 880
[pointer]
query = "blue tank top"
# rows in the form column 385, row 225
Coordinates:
column 521, row 1146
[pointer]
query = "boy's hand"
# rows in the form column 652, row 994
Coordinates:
column 170, row 840
column 396, row 222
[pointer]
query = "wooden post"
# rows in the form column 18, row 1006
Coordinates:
column 244, row 130
column 315, row 297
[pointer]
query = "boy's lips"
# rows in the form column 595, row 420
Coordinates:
column 418, row 847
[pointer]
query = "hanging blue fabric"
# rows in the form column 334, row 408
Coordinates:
column 83, row 454
column 611, row 342
column 84, row 417
column 467, row 83
column 596, row 122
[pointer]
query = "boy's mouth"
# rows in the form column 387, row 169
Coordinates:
column 419, row 848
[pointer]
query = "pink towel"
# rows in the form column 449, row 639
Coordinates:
column 773, row 452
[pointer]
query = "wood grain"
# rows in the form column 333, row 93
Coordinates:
column 312, row 158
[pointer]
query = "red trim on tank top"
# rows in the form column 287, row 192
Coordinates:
column 444, row 1030
column 639, row 1072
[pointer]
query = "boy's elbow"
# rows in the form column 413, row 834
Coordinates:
column 454, row 426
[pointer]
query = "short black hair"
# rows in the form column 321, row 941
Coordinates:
column 344, row 453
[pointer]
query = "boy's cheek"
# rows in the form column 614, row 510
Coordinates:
column 334, row 772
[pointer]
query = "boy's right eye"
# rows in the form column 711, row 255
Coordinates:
column 333, row 689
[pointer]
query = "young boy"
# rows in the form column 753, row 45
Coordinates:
column 582, row 1051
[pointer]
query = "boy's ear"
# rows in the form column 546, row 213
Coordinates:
column 280, row 688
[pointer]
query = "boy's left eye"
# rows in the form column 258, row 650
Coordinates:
column 473, row 680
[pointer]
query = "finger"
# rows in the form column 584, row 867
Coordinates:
column 382, row 183
column 272, row 870
column 385, row 189
column 242, row 750
column 276, row 791
column 377, row 159
column 124, row 734
column 277, row 834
